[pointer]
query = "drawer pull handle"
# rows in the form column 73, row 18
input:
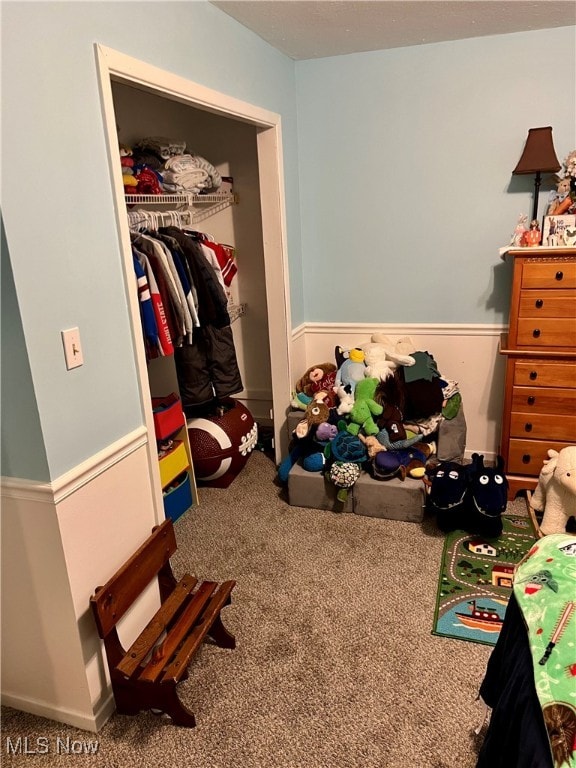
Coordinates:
column 539, row 303
column 559, row 275
column 526, row 458
column 528, row 427
column 536, row 333
column 533, row 375
column 531, row 400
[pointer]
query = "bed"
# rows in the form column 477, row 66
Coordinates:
column 530, row 680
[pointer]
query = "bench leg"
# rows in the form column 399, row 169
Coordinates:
column 169, row 703
column 220, row 634
column 126, row 702
column 160, row 698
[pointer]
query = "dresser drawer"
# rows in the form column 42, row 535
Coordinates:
column 546, row 400
column 546, row 332
column 540, row 373
column 547, row 303
column 526, row 457
column 549, row 274
column 543, row 426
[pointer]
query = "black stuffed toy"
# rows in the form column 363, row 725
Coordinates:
column 447, row 486
column 487, row 497
column 469, row 498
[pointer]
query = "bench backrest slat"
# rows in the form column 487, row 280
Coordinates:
column 111, row 601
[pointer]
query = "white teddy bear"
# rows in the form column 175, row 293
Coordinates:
column 378, row 366
column 555, row 494
column 382, row 356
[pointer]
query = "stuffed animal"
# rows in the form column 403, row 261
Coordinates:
column 556, row 200
column 538, row 498
column 399, row 352
column 346, row 456
column 319, row 378
column 391, row 420
column 486, row 498
column 364, row 408
column 310, row 437
column 391, row 394
column 372, row 445
column 351, row 368
column 401, row 463
column 345, row 400
column 300, row 401
column 310, row 456
column 469, row 498
column 343, row 474
column 447, row 483
column 316, row 413
column 346, row 447
column 378, row 364
column 557, row 490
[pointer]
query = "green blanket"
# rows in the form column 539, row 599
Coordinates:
column 545, row 588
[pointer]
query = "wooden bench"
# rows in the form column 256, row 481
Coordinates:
column 146, row 675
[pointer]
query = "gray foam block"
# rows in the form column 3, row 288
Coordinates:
column 393, row 499
column 313, row 491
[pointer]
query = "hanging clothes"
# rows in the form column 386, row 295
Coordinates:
column 186, row 311
column 208, row 367
column 165, row 280
column 164, row 336
column 149, row 325
column 224, row 258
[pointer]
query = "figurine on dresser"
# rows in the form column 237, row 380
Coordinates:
column 532, row 236
column 563, row 200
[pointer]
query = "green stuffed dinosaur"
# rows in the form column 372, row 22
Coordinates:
column 364, row 408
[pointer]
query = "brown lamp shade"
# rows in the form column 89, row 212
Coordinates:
column 539, row 155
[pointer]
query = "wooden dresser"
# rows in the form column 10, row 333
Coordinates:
column 540, row 397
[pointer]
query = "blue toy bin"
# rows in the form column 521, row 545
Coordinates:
column 178, row 497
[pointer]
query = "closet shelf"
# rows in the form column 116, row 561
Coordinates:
column 183, row 199
column 201, row 206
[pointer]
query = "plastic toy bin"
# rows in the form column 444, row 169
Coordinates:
column 168, row 415
column 178, row 497
column 173, row 463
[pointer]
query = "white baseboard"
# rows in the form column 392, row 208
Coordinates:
column 60, row 714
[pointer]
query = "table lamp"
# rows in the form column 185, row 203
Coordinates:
column 538, row 157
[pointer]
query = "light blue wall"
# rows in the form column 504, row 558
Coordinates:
column 25, row 456
column 403, row 160
column 405, row 173
column 58, row 206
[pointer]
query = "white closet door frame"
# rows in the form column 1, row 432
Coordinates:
column 113, row 65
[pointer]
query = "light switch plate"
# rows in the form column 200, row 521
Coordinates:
column 72, row 348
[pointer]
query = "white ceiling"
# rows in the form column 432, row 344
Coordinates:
column 312, row 29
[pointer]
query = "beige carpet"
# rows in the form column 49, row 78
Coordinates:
column 335, row 665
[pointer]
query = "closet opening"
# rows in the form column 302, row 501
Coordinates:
column 243, row 143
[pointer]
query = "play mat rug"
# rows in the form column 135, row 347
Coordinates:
column 476, row 581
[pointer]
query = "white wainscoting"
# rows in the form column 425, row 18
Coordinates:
column 61, row 540
column 467, row 354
